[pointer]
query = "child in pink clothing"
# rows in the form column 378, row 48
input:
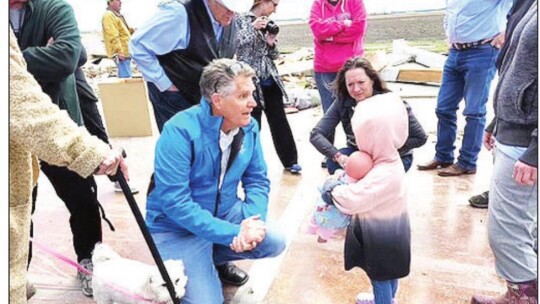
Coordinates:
column 326, row 219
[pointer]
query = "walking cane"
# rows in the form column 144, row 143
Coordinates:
column 147, row 237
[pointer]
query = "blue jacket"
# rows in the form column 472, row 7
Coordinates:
column 186, row 198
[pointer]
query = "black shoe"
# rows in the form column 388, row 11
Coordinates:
column 231, row 274
column 480, row 200
column 323, row 163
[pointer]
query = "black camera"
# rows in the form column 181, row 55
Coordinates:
column 271, row 28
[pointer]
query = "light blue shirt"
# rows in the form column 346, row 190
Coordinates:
column 475, row 20
column 513, row 152
column 168, row 30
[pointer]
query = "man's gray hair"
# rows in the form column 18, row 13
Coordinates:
column 218, row 76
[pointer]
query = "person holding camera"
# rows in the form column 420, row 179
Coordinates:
column 256, row 43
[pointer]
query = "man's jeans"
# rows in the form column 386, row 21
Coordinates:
column 199, row 256
column 124, row 68
column 467, row 75
column 384, row 291
column 166, row 104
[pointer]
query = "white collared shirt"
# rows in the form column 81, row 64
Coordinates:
column 225, row 142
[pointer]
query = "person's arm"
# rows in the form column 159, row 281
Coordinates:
column 417, row 135
column 255, row 183
column 53, row 63
column 166, row 31
column 40, row 127
column 358, row 26
column 324, row 29
column 325, row 127
column 365, row 194
column 172, row 179
column 111, row 32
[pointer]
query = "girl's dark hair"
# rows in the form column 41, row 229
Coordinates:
column 340, row 86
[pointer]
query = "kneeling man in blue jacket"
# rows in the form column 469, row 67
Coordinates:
column 194, row 211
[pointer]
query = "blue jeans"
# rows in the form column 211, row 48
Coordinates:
column 324, row 85
column 199, row 256
column 166, row 104
column 407, row 161
column 384, row 291
column 124, row 68
column 467, row 75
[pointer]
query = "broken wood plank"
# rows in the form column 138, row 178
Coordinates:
column 420, row 75
column 414, row 75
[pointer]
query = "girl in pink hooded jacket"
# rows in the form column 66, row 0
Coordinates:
column 378, row 237
column 338, row 27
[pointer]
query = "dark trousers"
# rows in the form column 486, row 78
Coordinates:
column 80, row 197
column 166, row 104
column 279, row 126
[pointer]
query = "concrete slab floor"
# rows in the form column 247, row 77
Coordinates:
column 451, row 259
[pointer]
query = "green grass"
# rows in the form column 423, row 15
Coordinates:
column 437, row 46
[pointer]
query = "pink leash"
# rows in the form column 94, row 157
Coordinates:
column 88, row 272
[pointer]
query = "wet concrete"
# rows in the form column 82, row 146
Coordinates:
column 451, row 258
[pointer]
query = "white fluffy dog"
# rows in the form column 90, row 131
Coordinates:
column 132, row 277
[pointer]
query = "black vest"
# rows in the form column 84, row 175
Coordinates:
column 184, row 67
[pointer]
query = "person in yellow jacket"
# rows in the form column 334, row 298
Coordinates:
column 116, row 34
column 38, row 129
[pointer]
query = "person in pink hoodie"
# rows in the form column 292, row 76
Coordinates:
column 378, row 237
column 338, row 27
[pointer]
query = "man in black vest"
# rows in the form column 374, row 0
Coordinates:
column 172, row 48
column 174, row 45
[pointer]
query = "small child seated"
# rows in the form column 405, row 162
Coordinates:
column 326, row 219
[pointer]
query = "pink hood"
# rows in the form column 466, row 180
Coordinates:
column 380, row 126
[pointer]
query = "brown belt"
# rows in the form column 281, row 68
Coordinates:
column 470, row 45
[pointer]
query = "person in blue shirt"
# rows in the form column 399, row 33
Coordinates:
column 194, row 211
column 475, row 33
column 171, row 61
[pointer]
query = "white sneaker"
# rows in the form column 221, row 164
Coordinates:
column 365, row 298
column 117, row 188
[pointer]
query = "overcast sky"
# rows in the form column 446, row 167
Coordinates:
column 89, row 12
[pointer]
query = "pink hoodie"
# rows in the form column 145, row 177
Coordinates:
column 378, row 239
column 335, row 42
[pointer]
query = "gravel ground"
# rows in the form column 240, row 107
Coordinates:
column 381, row 29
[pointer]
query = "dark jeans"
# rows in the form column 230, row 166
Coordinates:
column 80, row 197
column 166, row 104
column 279, row 126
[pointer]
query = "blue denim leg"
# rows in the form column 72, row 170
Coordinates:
column 165, row 104
column 407, row 161
column 203, row 285
column 324, row 85
column 467, row 74
column 450, row 94
column 332, row 166
column 479, row 65
column 124, row 68
column 384, row 291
